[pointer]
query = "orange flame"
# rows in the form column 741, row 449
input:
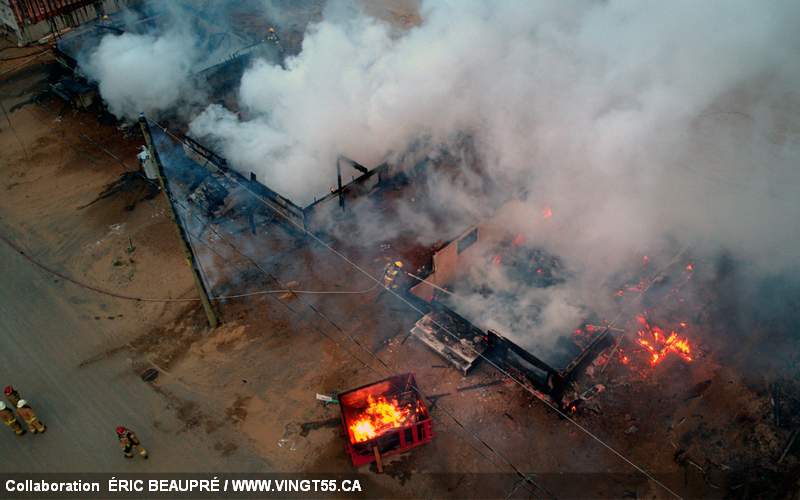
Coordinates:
column 380, row 416
column 659, row 344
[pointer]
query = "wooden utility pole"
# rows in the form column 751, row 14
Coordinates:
column 182, row 236
column 339, row 182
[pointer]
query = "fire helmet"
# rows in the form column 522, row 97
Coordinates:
column 121, row 430
column 8, row 390
column 398, row 263
column 21, row 403
column 2, row 406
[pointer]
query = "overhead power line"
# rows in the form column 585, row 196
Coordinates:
column 525, row 479
column 442, row 327
column 123, row 296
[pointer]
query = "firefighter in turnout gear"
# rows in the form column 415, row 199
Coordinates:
column 12, row 395
column 10, row 420
column 26, row 412
column 128, row 441
column 391, row 273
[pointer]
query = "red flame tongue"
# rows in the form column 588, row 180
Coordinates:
column 379, row 416
column 660, row 344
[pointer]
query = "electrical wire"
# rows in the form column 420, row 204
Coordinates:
column 442, row 327
column 13, row 130
column 30, row 60
column 14, row 58
column 84, row 285
column 525, row 479
column 122, row 296
column 377, row 283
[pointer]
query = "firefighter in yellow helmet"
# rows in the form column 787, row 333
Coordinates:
column 390, row 274
column 10, row 420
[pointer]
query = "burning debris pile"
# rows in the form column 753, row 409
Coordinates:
column 381, row 415
column 659, row 344
column 670, row 298
column 504, row 287
column 209, row 195
column 652, row 319
column 513, row 288
column 658, row 330
column 384, row 418
column 529, row 266
column 491, row 295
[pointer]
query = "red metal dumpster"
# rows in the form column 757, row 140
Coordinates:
column 389, row 414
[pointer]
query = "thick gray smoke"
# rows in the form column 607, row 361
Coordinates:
column 645, row 126
column 634, row 120
column 160, row 62
column 638, row 122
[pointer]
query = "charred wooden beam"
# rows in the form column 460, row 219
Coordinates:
column 339, row 183
column 361, row 168
column 584, row 357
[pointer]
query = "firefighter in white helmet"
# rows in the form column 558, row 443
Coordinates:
column 26, row 412
column 10, row 420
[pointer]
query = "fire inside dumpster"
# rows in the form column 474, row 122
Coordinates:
column 388, row 415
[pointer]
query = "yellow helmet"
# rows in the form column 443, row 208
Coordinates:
column 398, row 263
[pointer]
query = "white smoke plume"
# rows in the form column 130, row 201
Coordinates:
column 634, row 120
column 142, row 72
column 638, row 122
column 158, row 64
column 645, row 126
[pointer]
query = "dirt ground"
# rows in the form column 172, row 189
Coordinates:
column 243, row 395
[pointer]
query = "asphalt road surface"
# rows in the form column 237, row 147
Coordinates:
column 43, row 339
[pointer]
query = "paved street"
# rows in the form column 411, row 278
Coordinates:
column 42, row 341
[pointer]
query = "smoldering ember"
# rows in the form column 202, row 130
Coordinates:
column 455, row 248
